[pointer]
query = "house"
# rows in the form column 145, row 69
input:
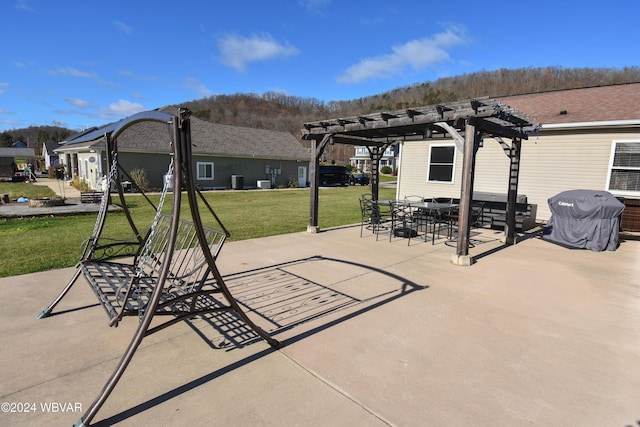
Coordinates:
column 362, row 158
column 19, row 144
column 13, row 159
column 51, row 158
column 589, row 139
column 224, row 156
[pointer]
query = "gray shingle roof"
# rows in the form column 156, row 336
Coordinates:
column 210, row 139
column 602, row 103
column 16, row 152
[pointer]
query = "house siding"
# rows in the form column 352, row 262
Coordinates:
column 550, row 163
column 413, row 171
column 252, row 170
column 155, row 165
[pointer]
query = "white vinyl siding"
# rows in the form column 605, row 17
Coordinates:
column 550, row 163
column 414, row 171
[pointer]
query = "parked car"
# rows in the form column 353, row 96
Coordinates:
column 334, row 175
column 359, row 178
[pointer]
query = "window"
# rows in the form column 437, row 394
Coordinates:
column 624, row 173
column 442, row 160
column 362, row 152
column 205, row 170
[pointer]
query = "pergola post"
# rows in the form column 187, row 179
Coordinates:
column 512, row 193
column 314, row 177
column 471, row 141
column 375, row 170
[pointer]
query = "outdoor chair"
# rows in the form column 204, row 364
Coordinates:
column 405, row 221
column 375, row 217
column 444, row 218
column 476, row 219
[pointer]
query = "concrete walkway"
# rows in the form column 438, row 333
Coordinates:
column 61, row 188
column 532, row 334
column 72, row 205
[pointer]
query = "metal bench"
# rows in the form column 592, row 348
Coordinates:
column 124, row 289
column 90, row 196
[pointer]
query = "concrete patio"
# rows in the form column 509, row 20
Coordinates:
column 391, row 334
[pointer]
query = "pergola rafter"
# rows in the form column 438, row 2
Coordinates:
column 467, row 122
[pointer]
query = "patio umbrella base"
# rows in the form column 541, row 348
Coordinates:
column 405, row 232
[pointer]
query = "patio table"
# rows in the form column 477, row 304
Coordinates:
column 435, row 209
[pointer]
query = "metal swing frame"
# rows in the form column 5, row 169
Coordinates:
column 182, row 178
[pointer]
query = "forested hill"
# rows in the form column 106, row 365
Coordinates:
column 279, row 111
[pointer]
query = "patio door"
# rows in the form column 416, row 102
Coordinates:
column 302, row 176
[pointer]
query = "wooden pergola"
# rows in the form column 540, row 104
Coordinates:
column 467, row 122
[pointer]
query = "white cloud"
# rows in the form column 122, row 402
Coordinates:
column 122, row 27
column 79, row 103
column 74, row 72
column 416, row 54
column 22, row 5
column 197, row 86
column 124, row 108
column 238, row 51
column 70, row 71
column 3, row 87
column 314, row 6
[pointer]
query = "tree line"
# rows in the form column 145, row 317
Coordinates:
column 282, row 112
column 279, row 111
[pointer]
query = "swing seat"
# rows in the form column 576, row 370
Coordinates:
column 124, row 289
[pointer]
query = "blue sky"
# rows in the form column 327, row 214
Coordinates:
column 84, row 63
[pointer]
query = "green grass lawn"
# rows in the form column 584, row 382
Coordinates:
column 39, row 244
column 22, row 189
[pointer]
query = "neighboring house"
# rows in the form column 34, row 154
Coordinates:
column 589, row 139
column 362, row 158
column 12, row 159
column 19, row 144
column 51, row 158
column 224, row 156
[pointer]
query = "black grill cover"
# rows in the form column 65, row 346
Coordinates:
column 584, row 219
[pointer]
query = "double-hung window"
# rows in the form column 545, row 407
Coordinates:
column 442, row 160
column 205, row 170
column 624, row 170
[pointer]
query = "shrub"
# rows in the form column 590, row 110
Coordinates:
column 139, row 177
column 80, row 184
column 292, row 182
column 386, row 170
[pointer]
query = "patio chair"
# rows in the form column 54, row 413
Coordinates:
column 476, row 219
column 405, row 221
column 443, row 218
column 375, row 217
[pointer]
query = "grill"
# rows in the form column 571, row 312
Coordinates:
column 585, row 219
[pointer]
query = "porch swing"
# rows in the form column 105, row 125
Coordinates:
column 173, row 270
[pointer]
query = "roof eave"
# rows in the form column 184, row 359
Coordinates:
column 592, row 125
